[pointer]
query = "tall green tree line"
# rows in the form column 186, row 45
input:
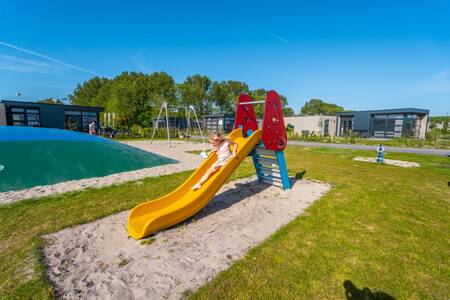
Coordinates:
column 319, row 107
column 136, row 97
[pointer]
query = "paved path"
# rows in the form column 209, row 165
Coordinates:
column 438, row 152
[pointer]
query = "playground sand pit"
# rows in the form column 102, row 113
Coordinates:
column 178, row 151
column 393, row 162
column 98, row 260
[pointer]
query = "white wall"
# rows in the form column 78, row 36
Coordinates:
column 312, row 124
column 423, row 127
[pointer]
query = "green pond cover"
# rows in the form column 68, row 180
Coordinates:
column 40, row 156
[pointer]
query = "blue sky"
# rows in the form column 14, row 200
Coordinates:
column 358, row 54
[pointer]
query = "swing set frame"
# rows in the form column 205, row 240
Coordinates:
column 165, row 105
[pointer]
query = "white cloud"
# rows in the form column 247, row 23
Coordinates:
column 437, row 83
column 48, row 58
column 17, row 64
column 440, row 75
column 57, row 86
column 141, row 63
column 280, row 38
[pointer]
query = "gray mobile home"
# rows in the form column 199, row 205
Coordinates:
column 386, row 123
column 73, row 117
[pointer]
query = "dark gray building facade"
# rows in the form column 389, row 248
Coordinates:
column 73, row 117
column 222, row 123
column 386, row 123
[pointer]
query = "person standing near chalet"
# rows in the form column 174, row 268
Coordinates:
column 93, row 128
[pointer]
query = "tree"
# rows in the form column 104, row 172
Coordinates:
column 260, row 94
column 288, row 112
column 127, row 97
column 445, row 127
column 225, row 94
column 220, row 97
column 235, row 89
column 137, row 97
column 319, row 107
column 160, row 88
column 195, row 91
column 438, row 120
column 51, row 101
column 86, row 93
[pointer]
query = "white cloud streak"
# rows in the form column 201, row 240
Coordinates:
column 54, row 60
column 141, row 63
column 17, row 64
column 437, row 83
column 280, row 38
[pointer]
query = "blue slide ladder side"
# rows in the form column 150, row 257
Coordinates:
column 271, row 167
column 283, row 170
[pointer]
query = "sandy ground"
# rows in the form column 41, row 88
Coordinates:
column 99, row 261
column 177, row 151
column 393, row 162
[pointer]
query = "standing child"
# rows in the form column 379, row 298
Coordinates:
column 222, row 146
column 380, row 151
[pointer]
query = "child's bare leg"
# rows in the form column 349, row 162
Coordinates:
column 208, row 174
column 205, row 177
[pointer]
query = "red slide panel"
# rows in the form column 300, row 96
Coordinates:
column 274, row 132
column 245, row 115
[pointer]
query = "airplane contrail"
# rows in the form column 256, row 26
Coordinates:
column 280, row 38
column 51, row 59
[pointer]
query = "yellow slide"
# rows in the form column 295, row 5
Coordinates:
column 182, row 203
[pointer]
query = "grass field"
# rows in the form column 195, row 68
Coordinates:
column 437, row 143
column 381, row 231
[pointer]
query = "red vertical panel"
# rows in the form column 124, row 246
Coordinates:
column 245, row 115
column 274, row 132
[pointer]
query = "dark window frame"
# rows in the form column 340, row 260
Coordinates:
column 82, row 116
column 24, row 112
column 390, row 125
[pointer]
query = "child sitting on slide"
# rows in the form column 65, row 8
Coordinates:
column 222, row 146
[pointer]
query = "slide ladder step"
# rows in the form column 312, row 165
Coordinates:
column 265, row 152
column 267, row 165
column 273, row 173
column 272, row 178
column 279, row 184
column 265, row 161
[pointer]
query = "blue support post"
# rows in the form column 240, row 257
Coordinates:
column 283, row 170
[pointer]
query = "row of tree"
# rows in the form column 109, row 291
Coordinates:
column 319, row 107
column 136, row 97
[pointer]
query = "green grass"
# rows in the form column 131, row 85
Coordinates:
column 23, row 223
column 440, row 143
column 381, row 227
column 22, row 275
